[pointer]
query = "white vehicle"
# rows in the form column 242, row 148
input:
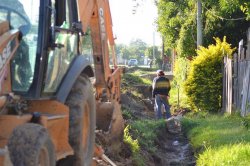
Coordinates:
column 133, row 62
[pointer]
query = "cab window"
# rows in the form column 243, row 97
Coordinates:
column 24, row 16
column 60, row 58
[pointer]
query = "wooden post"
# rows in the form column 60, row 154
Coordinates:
column 235, row 80
column 224, row 86
column 244, row 103
column 240, row 48
column 248, row 44
column 240, row 74
column 230, row 84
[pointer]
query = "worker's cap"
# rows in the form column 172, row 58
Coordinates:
column 160, row 72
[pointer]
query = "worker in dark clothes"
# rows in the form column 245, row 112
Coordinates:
column 161, row 88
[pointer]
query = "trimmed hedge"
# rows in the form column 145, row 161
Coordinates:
column 204, row 82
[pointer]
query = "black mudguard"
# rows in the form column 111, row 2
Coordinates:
column 78, row 66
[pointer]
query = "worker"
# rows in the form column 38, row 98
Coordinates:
column 160, row 91
column 164, row 62
column 150, row 63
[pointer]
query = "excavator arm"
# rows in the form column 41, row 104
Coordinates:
column 96, row 15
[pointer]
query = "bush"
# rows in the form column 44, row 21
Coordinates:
column 181, row 66
column 204, row 82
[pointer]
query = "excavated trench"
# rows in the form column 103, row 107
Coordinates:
column 173, row 147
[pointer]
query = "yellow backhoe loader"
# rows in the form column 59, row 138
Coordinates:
column 52, row 98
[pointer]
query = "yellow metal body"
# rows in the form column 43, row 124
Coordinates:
column 55, row 116
column 96, row 14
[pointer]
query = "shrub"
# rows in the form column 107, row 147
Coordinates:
column 204, row 82
column 181, row 66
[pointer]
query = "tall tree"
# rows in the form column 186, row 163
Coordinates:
column 137, row 48
column 177, row 22
column 125, row 53
column 149, row 52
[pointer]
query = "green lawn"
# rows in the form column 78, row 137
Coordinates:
column 219, row 140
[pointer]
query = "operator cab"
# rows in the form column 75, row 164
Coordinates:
column 22, row 66
column 50, row 35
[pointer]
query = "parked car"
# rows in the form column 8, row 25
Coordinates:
column 133, row 62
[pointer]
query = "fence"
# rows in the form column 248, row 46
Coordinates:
column 236, row 80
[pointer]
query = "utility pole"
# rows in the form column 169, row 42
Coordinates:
column 163, row 48
column 153, row 45
column 199, row 24
column 163, row 55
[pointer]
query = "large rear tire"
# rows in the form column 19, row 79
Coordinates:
column 82, row 121
column 30, row 145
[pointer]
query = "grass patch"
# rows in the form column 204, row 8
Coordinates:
column 183, row 99
column 134, row 79
column 142, row 70
column 147, row 131
column 142, row 134
column 135, row 76
column 134, row 146
column 236, row 154
column 128, row 115
column 219, row 140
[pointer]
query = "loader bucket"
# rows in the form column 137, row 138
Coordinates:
column 109, row 119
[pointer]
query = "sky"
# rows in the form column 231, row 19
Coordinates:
column 128, row 26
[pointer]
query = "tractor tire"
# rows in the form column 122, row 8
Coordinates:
column 82, row 121
column 30, row 145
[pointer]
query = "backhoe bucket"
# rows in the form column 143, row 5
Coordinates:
column 109, row 119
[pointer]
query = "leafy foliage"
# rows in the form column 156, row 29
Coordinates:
column 132, row 78
column 204, row 82
column 181, row 67
column 245, row 7
column 149, row 52
column 137, row 49
column 128, row 139
column 177, row 22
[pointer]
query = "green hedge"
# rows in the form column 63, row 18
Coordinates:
column 204, row 82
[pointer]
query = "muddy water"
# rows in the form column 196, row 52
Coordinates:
column 177, row 151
